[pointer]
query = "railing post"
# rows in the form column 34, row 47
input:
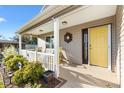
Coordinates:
column 56, row 46
column 35, row 56
column 20, row 43
column 26, row 54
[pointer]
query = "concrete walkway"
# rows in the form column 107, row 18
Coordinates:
column 87, row 77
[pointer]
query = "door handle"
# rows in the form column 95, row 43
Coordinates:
column 90, row 46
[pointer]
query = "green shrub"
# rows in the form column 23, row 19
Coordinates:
column 11, row 50
column 18, row 77
column 31, row 73
column 35, row 85
column 12, row 62
column 8, row 58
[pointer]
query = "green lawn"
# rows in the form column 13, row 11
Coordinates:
column 1, row 82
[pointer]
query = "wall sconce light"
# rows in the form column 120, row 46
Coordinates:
column 41, row 30
column 64, row 22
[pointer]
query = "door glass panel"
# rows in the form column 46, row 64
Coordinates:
column 85, row 46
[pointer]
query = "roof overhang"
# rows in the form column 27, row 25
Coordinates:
column 79, row 15
column 8, row 42
column 52, row 11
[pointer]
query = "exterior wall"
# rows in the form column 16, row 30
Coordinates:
column 41, row 43
column 74, row 48
column 120, row 39
column 41, row 40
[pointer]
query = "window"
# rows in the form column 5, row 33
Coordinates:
column 50, row 42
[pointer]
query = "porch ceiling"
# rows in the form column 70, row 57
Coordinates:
column 45, row 28
column 81, row 15
column 86, row 14
column 46, row 13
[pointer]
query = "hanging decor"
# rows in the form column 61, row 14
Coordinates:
column 68, row 37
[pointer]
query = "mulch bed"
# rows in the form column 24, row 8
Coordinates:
column 55, row 83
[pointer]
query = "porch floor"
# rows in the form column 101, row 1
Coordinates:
column 84, row 76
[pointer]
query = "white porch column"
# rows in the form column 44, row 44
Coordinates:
column 35, row 56
column 56, row 45
column 20, row 43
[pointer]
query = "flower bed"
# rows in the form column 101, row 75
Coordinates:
column 39, row 84
column 29, row 75
column 17, row 71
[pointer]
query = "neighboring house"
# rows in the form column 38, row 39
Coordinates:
column 7, row 43
column 89, row 34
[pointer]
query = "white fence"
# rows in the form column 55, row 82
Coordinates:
column 30, row 46
column 47, row 59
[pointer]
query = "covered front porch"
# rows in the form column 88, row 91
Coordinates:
column 84, row 76
column 81, row 76
column 51, row 35
column 48, row 56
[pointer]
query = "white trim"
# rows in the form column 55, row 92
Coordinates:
column 109, row 46
column 88, row 47
column 56, row 46
column 35, row 55
column 20, row 43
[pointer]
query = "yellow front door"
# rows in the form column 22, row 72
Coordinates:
column 98, row 45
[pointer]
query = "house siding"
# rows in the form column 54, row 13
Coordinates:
column 119, row 38
column 74, row 48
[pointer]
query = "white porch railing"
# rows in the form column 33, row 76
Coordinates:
column 47, row 59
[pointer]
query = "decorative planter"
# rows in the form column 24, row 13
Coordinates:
column 48, row 76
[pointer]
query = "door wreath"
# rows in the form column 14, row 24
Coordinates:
column 68, row 37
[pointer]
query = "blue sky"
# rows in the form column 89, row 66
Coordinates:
column 13, row 17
